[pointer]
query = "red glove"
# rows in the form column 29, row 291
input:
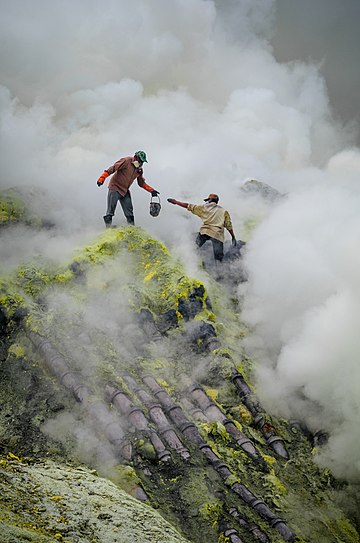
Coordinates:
column 102, row 178
column 146, row 187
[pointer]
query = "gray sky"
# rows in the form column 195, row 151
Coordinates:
column 327, row 32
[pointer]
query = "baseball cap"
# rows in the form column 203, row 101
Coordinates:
column 211, row 197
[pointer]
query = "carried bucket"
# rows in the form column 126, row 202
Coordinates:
column 155, row 206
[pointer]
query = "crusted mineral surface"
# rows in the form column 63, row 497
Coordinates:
column 48, row 502
column 128, row 411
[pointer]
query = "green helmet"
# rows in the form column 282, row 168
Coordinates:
column 141, row 156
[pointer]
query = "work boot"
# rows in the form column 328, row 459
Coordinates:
column 107, row 220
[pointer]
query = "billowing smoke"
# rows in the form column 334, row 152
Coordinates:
column 196, row 85
column 303, row 300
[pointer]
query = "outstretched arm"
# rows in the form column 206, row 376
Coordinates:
column 177, row 203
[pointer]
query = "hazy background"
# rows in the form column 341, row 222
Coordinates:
column 325, row 32
column 216, row 93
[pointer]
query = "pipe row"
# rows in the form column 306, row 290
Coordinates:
column 250, row 527
column 191, row 432
column 137, row 418
column 206, row 333
column 264, row 511
column 174, row 411
column 214, row 413
column 100, row 416
column 158, row 416
column 260, row 421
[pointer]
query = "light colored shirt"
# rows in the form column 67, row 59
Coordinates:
column 215, row 218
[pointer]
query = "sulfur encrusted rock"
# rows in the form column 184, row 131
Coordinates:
column 48, row 502
column 123, row 316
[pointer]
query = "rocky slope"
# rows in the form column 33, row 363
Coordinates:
column 128, row 411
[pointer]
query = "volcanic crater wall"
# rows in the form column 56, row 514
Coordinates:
column 122, row 363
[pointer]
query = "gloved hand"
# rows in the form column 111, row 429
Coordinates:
column 102, row 178
column 154, row 192
column 233, row 241
column 171, row 201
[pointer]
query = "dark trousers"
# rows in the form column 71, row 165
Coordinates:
column 126, row 203
column 218, row 246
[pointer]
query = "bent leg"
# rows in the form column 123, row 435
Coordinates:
column 201, row 239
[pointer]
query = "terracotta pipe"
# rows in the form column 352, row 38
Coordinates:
column 263, row 510
column 99, row 413
column 250, row 527
column 233, row 535
column 245, row 393
column 123, row 404
column 157, row 415
column 245, row 494
column 55, row 361
column 174, row 411
column 110, row 426
column 137, row 418
column 230, row 534
column 195, row 412
column 82, row 393
column 214, row 413
column 167, row 431
column 268, row 431
column 209, row 453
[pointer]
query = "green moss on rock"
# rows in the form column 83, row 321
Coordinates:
column 12, row 207
column 49, row 502
column 127, row 265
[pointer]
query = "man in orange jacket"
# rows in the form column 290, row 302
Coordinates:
column 215, row 219
column 123, row 174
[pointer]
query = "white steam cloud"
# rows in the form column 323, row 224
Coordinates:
column 303, row 299
column 196, row 85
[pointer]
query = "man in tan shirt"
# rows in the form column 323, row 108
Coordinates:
column 215, row 219
column 124, row 172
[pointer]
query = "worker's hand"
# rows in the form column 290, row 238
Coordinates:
column 154, row 192
column 233, row 241
column 102, row 178
column 171, row 201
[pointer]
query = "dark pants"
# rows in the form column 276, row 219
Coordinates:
column 126, row 203
column 218, row 246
